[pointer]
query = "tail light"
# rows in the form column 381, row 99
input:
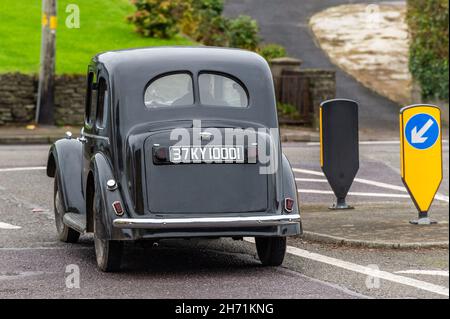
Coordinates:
column 160, row 154
column 118, row 209
column 289, row 204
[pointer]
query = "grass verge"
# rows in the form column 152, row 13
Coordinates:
column 102, row 28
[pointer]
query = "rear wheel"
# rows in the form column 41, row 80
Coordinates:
column 108, row 252
column 65, row 233
column 271, row 250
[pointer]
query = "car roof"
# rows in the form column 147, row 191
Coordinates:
column 144, row 57
column 131, row 71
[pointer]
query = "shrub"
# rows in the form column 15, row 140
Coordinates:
column 210, row 7
column 428, row 61
column 156, row 18
column 199, row 17
column 213, row 32
column 202, row 21
column 288, row 111
column 243, row 33
column 211, row 25
column 272, row 51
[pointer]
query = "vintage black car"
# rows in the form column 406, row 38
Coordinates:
column 176, row 143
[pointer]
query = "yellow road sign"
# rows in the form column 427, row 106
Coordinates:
column 421, row 153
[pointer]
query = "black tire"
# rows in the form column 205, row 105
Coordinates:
column 65, row 233
column 271, row 250
column 108, row 253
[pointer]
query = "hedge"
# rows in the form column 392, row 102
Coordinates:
column 203, row 22
column 428, row 61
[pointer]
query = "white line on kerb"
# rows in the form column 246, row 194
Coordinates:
column 9, row 226
column 20, row 169
column 438, row 196
column 442, row 273
column 419, row 284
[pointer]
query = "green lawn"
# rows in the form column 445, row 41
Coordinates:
column 103, row 27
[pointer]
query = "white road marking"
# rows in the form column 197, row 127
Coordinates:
column 438, row 196
column 441, row 197
column 442, row 273
column 308, row 171
column 370, row 143
column 19, row 275
column 9, row 226
column 419, row 284
column 42, row 248
column 380, row 184
column 362, row 143
column 18, row 169
column 316, row 191
column 312, row 180
column 359, row 180
column 21, row 169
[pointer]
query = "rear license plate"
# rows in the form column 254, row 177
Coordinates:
column 206, row 154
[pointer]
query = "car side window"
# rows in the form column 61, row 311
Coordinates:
column 220, row 90
column 91, row 98
column 170, row 90
column 102, row 102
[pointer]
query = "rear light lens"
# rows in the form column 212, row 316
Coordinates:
column 289, row 205
column 118, row 209
column 160, row 154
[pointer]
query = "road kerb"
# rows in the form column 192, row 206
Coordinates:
column 329, row 239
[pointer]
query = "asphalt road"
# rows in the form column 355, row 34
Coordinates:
column 286, row 22
column 33, row 264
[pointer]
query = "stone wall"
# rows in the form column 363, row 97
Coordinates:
column 322, row 83
column 70, row 93
column 18, row 95
column 17, row 98
column 322, row 86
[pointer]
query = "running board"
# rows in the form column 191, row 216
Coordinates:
column 75, row 221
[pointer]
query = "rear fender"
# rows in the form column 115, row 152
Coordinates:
column 289, row 185
column 102, row 171
column 66, row 158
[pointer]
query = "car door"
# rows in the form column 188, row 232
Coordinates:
column 87, row 133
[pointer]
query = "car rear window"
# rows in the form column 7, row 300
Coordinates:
column 170, row 90
column 220, row 90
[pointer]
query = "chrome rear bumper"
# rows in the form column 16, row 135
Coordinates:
column 206, row 222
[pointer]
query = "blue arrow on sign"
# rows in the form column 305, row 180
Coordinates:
column 422, row 131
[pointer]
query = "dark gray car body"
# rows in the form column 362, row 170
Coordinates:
column 181, row 200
